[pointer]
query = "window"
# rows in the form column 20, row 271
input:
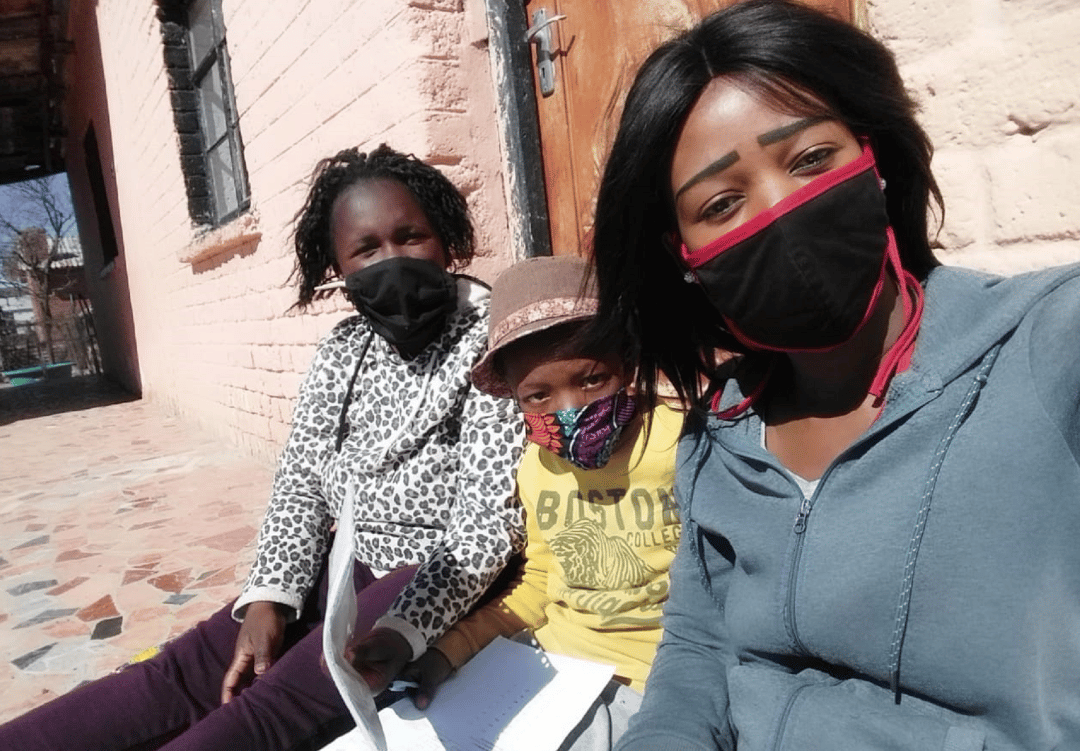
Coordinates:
column 109, row 249
column 204, row 110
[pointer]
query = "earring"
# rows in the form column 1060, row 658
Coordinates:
column 689, row 277
column 882, row 181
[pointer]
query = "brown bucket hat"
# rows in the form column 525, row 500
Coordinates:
column 530, row 296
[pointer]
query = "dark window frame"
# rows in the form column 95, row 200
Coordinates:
column 216, row 194
column 100, row 195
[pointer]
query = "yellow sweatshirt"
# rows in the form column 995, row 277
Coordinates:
column 595, row 575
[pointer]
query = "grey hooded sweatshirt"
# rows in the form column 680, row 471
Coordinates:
column 927, row 594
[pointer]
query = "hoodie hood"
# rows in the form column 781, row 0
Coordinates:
column 967, row 312
column 472, row 295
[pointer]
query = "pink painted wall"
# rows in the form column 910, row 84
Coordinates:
column 215, row 341
column 108, row 289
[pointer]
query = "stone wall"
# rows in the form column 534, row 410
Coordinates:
column 999, row 85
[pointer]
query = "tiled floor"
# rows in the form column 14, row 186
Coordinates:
column 120, row 527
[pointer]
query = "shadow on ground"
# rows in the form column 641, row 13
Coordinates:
column 50, row 397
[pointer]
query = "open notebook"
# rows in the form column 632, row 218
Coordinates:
column 509, row 697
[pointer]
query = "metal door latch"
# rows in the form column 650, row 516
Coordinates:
column 540, row 35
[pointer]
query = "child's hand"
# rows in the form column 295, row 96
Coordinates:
column 429, row 671
column 379, row 656
column 257, row 647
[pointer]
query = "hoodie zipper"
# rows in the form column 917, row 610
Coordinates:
column 796, row 558
column 804, row 511
column 802, row 518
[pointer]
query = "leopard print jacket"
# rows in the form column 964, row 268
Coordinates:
column 433, row 460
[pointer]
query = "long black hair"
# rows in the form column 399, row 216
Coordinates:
column 442, row 203
column 796, row 59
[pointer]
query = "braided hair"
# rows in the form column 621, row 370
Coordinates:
column 442, row 203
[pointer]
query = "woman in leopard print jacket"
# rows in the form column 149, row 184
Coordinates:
column 386, row 415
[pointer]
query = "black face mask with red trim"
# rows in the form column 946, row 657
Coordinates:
column 805, row 275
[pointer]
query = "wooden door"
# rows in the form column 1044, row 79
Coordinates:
column 597, row 49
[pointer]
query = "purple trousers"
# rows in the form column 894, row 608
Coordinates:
column 173, row 701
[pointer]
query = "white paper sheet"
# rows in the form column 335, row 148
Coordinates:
column 509, row 697
column 337, row 628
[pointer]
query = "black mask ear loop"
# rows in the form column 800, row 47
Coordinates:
column 342, row 427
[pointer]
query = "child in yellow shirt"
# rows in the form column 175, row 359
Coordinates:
column 596, row 484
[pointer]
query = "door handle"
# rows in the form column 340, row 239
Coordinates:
column 540, row 35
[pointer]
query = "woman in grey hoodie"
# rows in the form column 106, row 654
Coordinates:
column 881, row 489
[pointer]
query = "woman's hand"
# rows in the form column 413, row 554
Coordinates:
column 429, row 671
column 257, row 647
column 379, row 656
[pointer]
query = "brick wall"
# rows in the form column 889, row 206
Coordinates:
column 86, row 103
column 999, row 85
column 215, row 339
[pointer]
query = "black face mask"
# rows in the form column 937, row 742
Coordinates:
column 407, row 300
column 805, row 274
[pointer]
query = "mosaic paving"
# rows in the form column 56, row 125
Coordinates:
column 120, row 527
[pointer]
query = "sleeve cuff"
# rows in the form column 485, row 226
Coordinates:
column 416, row 640
column 265, row 594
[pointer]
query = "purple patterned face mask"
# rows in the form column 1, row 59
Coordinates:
column 586, row 436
